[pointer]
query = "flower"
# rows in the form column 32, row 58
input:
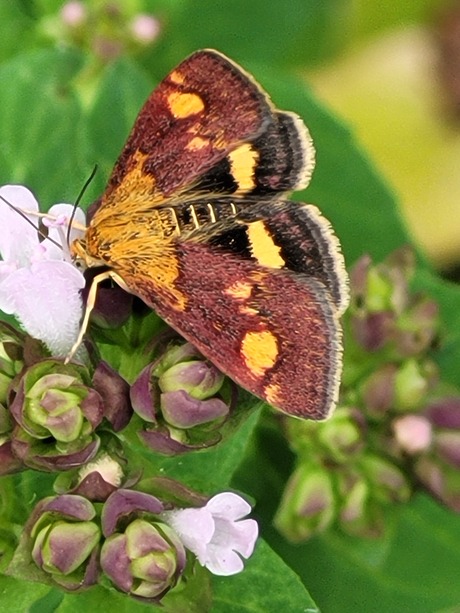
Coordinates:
column 38, row 283
column 145, row 28
column 216, row 533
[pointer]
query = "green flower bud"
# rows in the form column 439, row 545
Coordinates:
column 307, row 505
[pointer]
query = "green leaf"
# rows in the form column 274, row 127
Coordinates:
column 266, row 585
column 299, row 32
column 39, row 125
column 20, row 595
column 414, row 569
column 121, row 92
column 210, row 470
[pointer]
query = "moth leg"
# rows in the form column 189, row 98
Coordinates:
column 90, row 302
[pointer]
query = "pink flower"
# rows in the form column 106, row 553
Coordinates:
column 413, row 433
column 39, row 285
column 216, row 533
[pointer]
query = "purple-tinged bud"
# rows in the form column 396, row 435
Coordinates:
column 145, row 29
column 445, row 413
column 447, row 447
column 62, row 538
column 413, row 381
column 141, row 555
column 441, row 480
column 378, row 390
column 417, row 328
column 145, row 560
column 372, row 331
column 56, row 412
column 413, row 433
column 180, row 396
column 181, row 410
column 114, row 391
column 343, row 435
column 199, row 379
column 388, row 482
column 53, row 401
column 74, row 14
column 307, row 505
column 354, row 496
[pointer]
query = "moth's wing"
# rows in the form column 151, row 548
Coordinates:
column 281, row 159
column 208, row 127
column 272, row 328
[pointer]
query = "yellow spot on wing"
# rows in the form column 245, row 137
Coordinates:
column 243, row 162
column 266, row 252
column 197, row 143
column 176, row 77
column 239, row 290
column 259, row 351
column 185, row 104
column 272, row 393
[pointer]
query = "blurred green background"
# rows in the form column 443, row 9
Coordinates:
column 377, row 82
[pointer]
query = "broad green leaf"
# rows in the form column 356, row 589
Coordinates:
column 279, row 33
column 39, row 125
column 20, row 595
column 415, row 569
column 267, row 585
column 121, row 92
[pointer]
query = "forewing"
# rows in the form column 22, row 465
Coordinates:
column 204, row 108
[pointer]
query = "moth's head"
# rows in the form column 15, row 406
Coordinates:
column 80, row 256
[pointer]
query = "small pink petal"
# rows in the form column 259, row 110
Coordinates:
column 229, row 505
column 46, row 300
column 413, row 433
column 195, row 528
column 18, row 243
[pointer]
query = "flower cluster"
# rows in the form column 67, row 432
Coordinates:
column 134, row 540
column 104, row 524
column 107, row 29
column 397, row 427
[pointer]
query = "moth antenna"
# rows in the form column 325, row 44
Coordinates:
column 24, row 216
column 78, row 200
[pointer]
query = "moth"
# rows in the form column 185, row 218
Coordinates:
column 196, row 221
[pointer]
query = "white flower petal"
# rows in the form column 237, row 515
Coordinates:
column 229, row 505
column 58, row 230
column 224, row 562
column 46, row 300
column 19, row 242
column 195, row 528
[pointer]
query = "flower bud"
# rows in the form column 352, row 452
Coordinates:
column 57, row 413
column 307, row 505
column 62, row 539
column 413, row 381
column 145, row 28
column 97, row 479
column 180, row 395
column 11, row 358
column 141, row 556
column 413, row 433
